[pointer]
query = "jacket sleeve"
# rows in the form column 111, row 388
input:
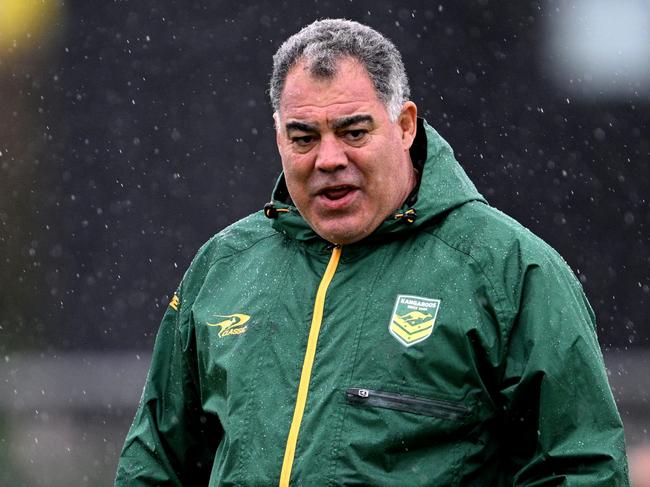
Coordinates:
column 171, row 441
column 561, row 422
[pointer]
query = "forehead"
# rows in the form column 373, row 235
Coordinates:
column 349, row 91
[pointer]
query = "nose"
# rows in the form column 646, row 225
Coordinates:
column 331, row 154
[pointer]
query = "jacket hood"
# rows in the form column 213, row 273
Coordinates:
column 442, row 186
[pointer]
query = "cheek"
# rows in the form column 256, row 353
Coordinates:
column 294, row 169
column 296, row 176
column 288, row 162
column 387, row 186
column 383, row 174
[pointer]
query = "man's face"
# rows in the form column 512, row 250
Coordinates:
column 346, row 165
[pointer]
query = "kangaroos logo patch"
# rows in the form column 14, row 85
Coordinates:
column 231, row 324
column 413, row 318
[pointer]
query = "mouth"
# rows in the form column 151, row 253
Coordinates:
column 337, row 197
column 336, row 192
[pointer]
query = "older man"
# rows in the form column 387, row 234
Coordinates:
column 387, row 327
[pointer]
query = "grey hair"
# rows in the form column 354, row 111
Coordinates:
column 325, row 42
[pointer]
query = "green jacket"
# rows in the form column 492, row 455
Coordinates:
column 451, row 347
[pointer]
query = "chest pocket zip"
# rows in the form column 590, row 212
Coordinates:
column 410, row 404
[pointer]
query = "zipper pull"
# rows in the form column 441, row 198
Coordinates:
column 330, row 247
column 364, row 393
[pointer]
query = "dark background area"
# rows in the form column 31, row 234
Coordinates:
column 133, row 131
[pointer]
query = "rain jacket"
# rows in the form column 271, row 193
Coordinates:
column 451, row 347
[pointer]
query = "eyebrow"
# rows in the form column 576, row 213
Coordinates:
column 344, row 122
column 302, row 126
column 338, row 124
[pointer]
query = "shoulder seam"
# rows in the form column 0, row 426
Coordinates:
column 501, row 301
column 239, row 251
column 191, row 303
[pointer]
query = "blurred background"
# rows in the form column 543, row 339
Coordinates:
column 132, row 131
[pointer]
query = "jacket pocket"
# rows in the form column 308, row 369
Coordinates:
column 403, row 402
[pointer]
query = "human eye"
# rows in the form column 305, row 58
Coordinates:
column 355, row 135
column 302, row 140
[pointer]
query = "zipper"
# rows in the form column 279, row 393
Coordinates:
column 308, row 362
column 410, row 404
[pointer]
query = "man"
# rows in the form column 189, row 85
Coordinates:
column 387, row 327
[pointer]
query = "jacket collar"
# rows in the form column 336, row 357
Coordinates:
column 442, row 186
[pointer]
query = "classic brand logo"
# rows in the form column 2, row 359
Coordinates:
column 413, row 318
column 232, row 324
column 175, row 302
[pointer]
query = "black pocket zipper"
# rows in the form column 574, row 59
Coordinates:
column 403, row 402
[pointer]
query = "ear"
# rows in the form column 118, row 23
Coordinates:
column 276, row 120
column 407, row 121
column 276, row 124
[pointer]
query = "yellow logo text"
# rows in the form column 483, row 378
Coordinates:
column 234, row 324
column 175, row 302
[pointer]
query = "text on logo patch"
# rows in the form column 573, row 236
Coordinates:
column 413, row 318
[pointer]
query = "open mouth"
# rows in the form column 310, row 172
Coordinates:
column 336, row 192
column 337, row 198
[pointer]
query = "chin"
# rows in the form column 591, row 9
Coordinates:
column 342, row 237
column 343, row 230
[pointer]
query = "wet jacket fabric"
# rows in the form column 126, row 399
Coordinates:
column 451, row 347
